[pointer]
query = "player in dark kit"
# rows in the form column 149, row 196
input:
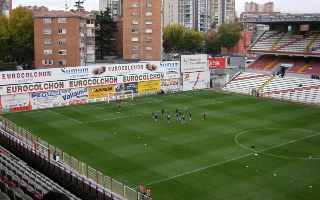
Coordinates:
column 168, row 118
column 162, row 113
column 190, row 116
column 119, row 106
column 156, row 117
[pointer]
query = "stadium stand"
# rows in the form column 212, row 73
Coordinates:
column 299, row 65
column 21, row 182
column 246, row 82
column 297, row 89
column 288, row 42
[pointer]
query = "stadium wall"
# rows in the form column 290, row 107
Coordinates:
column 47, row 88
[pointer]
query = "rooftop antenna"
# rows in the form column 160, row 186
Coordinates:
column 79, row 4
column 66, row 7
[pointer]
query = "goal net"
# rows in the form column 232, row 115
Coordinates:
column 118, row 96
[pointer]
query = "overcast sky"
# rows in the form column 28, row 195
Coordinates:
column 295, row 6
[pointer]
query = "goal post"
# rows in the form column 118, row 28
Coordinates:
column 116, row 96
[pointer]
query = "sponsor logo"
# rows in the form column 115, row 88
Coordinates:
column 76, row 72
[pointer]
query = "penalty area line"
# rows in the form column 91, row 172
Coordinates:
column 229, row 160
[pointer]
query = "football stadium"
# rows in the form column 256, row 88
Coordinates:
column 158, row 130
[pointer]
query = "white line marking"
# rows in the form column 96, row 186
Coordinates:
column 227, row 161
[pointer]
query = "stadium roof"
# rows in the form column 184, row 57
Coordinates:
column 258, row 18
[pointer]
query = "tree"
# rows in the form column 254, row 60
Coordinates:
column 105, row 33
column 193, row 41
column 213, row 45
column 4, row 38
column 178, row 39
column 229, row 35
column 21, row 35
column 173, row 36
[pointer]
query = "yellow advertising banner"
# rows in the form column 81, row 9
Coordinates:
column 149, row 86
column 101, row 91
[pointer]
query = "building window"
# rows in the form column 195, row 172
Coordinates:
column 62, row 52
column 135, row 56
column 135, row 30
column 61, row 42
column 149, row 3
column 135, row 39
column 148, row 39
column 135, row 5
column 47, row 20
column 47, row 62
column 135, row 14
column 62, row 20
column 148, row 48
column 149, row 30
column 148, row 22
column 148, row 14
column 62, row 62
column 62, row 31
column 47, row 51
column 47, row 41
column 135, row 22
column 47, row 31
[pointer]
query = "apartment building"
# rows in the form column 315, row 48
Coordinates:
column 142, row 29
column 5, row 7
column 170, row 12
column 63, row 39
column 115, row 6
column 222, row 11
column 194, row 14
column 252, row 7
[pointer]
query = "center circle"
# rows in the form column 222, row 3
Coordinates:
column 301, row 144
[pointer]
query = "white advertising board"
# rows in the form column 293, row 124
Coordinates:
column 170, row 85
column 194, row 63
column 169, row 69
column 15, row 103
column 71, row 73
column 58, row 98
column 196, row 80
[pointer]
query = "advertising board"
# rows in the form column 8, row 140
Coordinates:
column 58, row 98
column 196, row 80
column 75, row 73
column 101, row 91
column 217, row 62
column 169, row 69
column 194, row 63
column 15, row 103
column 171, row 85
column 149, row 87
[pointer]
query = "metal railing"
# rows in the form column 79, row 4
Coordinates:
column 79, row 168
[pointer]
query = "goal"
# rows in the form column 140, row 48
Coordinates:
column 116, row 96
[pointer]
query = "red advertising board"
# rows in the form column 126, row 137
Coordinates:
column 217, row 62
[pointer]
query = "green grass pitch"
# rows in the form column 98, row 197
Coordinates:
column 247, row 149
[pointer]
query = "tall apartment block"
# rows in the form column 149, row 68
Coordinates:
column 222, row 11
column 252, row 7
column 63, row 39
column 194, row 14
column 142, row 29
column 170, row 12
column 115, row 6
column 5, row 7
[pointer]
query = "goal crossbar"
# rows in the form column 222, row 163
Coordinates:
column 115, row 96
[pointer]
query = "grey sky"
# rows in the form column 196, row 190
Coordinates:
column 295, row 6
